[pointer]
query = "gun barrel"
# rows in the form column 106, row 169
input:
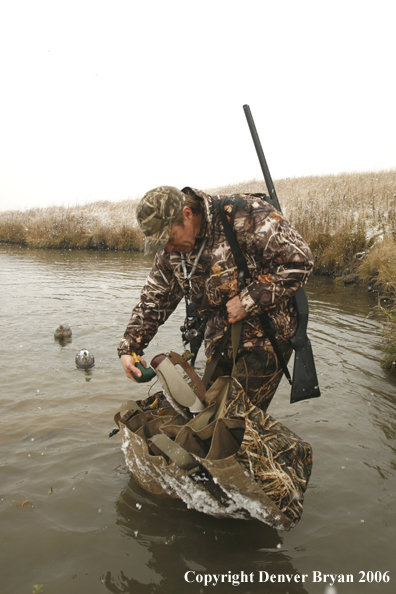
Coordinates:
column 261, row 157
column 305, row 381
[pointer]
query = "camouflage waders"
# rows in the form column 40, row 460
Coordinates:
column 258, row 372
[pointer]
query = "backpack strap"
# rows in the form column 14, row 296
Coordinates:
column 230, row 234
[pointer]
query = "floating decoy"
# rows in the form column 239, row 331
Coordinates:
column 63, row 331
column 85, row 359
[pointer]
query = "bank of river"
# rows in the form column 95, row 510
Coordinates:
column 75, row 521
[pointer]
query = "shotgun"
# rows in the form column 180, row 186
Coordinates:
column 305, row 382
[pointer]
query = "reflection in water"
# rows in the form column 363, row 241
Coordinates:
column 181, row 545
column 90, row 528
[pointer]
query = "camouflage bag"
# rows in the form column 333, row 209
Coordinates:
column 231, row 460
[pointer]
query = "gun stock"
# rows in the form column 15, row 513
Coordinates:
column 305, row 382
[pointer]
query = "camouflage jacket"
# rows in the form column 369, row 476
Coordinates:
column 279, row 262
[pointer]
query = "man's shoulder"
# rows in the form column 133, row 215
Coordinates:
column 162, row 261
column 244, row 204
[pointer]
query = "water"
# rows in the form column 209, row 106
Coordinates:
column 75, row 521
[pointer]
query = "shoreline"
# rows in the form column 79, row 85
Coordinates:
column 348, row 220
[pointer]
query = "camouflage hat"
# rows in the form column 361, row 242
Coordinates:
column 157, row 211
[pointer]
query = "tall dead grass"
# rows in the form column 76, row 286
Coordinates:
column 98, row 225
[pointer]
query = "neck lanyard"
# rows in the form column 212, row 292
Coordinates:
column 193, row 269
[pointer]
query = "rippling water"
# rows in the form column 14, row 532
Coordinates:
column 74, row 520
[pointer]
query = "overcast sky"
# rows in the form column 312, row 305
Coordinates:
column 108, row 99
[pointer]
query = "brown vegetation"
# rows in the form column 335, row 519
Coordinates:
column 98, row 225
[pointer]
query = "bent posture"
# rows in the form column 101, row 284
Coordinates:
column 194, row 259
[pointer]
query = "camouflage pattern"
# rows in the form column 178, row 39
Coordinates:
column 158, row 209
column 258, row 372
column 276, row 457
column 279, row 261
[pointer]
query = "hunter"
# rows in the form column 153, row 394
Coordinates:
column 194, row 259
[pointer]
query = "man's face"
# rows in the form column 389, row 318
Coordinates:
column 182, row 238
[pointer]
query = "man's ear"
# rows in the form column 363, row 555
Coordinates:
column 187, row 213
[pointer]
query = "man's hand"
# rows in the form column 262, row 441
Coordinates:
column 235, row 310
column 128, row 363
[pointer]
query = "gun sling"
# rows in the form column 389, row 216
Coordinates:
column 244, row 275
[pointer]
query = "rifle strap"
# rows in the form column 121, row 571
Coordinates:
column 244, row 275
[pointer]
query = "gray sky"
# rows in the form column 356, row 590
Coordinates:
column 108, row 99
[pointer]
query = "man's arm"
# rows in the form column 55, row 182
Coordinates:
column 159, row 298
column 283, row 259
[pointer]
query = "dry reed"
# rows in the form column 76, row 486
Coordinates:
column 98, row 225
